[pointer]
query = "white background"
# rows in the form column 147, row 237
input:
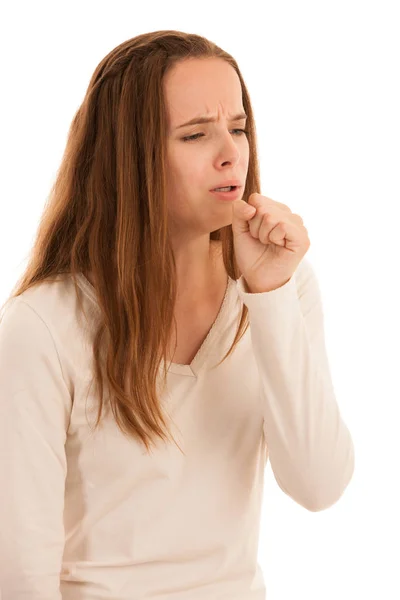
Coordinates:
column 324, row 82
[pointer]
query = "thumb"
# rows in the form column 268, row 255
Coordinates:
column 242, row 212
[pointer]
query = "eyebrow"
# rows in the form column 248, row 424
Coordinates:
column 200, row 120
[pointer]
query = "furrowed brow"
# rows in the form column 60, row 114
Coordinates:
column 201, row 120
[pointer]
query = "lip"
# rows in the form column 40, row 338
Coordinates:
column 234, row 182
column 228, row 195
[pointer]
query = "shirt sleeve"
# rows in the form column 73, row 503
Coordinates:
column 310, row 447
column 35, row 406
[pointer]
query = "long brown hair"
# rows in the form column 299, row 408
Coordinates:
column 107, row 214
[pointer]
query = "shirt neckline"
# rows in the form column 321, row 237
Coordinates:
column 192, row 369
column 198, row 360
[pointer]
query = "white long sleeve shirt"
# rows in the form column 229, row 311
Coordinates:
column 89, row 515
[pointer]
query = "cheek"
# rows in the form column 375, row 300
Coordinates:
column 179, row 164
column 192, row 173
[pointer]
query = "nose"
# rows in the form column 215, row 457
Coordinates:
column 228, row 150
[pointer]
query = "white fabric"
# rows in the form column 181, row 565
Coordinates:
column 89, row 515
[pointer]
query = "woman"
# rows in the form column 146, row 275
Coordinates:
column 96, row 503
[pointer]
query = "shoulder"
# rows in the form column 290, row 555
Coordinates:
column 45, row 320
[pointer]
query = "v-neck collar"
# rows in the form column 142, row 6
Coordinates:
column 193, row 369
column 202, row 355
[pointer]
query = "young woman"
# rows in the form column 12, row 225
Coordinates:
column 151, row 359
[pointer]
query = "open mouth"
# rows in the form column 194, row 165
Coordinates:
column 230, row 188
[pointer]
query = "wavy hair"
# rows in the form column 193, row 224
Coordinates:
column 107, row 214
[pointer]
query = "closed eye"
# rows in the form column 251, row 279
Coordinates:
column 194, row 137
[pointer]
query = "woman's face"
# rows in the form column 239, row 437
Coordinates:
column 219, row 152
